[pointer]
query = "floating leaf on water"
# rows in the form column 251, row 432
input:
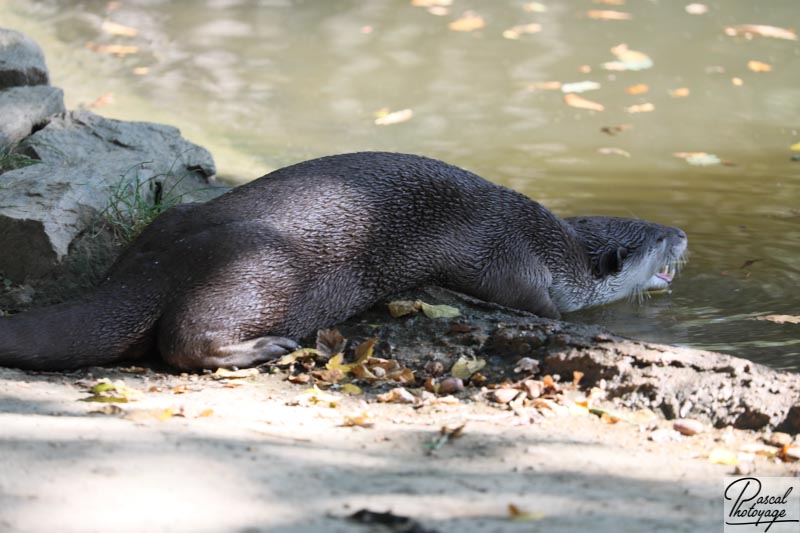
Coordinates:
column 469, row 21
column 628, row 59
column 205, row 413
column 386, row 118
column 118, row 50
column 610, row 2
column 758, row 66
column 580, row 86
column 696, row 9
column 640, row 108
column 517, row 31
column 680, row 92
column 780, row 319
column 751, row 30
column 439, row 311
column 517, row 514
column 795, row 147
column 534, row 7
column 112, row 28
column 613, row 151
column 613, row 130
column 464, row 367
column 738, row 82
column 701, row 159
column 572, row 99
column 544, row 86
column 608, row 14
column 431, row 3
column 640, row 88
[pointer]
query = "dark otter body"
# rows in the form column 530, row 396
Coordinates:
column 230, row 282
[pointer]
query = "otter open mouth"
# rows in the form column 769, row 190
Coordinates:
column 663, row 278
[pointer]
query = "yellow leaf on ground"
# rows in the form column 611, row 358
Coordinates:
column 722, row 456
column 464, row 368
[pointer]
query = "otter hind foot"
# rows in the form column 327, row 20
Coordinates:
column 252, row 353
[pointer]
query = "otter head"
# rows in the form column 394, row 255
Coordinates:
column 629, row 256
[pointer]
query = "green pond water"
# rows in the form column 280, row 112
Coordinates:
column 266, row 83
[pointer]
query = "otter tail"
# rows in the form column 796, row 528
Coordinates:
column 109, row 326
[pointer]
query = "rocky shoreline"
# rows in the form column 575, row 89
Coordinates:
column 56, row 243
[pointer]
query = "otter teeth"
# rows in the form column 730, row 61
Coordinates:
column 666, row 273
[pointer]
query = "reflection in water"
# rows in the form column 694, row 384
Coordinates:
column 263, row 84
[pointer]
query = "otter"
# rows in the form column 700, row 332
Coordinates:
column 234, row 282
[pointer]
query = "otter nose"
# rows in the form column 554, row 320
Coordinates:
column 680, row 233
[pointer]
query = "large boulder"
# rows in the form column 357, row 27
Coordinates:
column 87, row 163
column 27, row 101
column 21, row 61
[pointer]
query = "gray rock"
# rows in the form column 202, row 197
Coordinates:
column 669, row 379
column 21, row 61
column 24, row 108
column 85, row 160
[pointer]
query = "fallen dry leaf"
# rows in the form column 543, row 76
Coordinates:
column 396, row 395
column 738, row 82
column 573, row 100
column 363, row 420
column 463, row 368
column 469, row 21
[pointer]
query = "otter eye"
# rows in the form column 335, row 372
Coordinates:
column 660, row 239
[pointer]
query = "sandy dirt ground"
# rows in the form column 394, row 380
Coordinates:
column 245, row 455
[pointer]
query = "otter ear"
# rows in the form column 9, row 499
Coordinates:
column 610, row 262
